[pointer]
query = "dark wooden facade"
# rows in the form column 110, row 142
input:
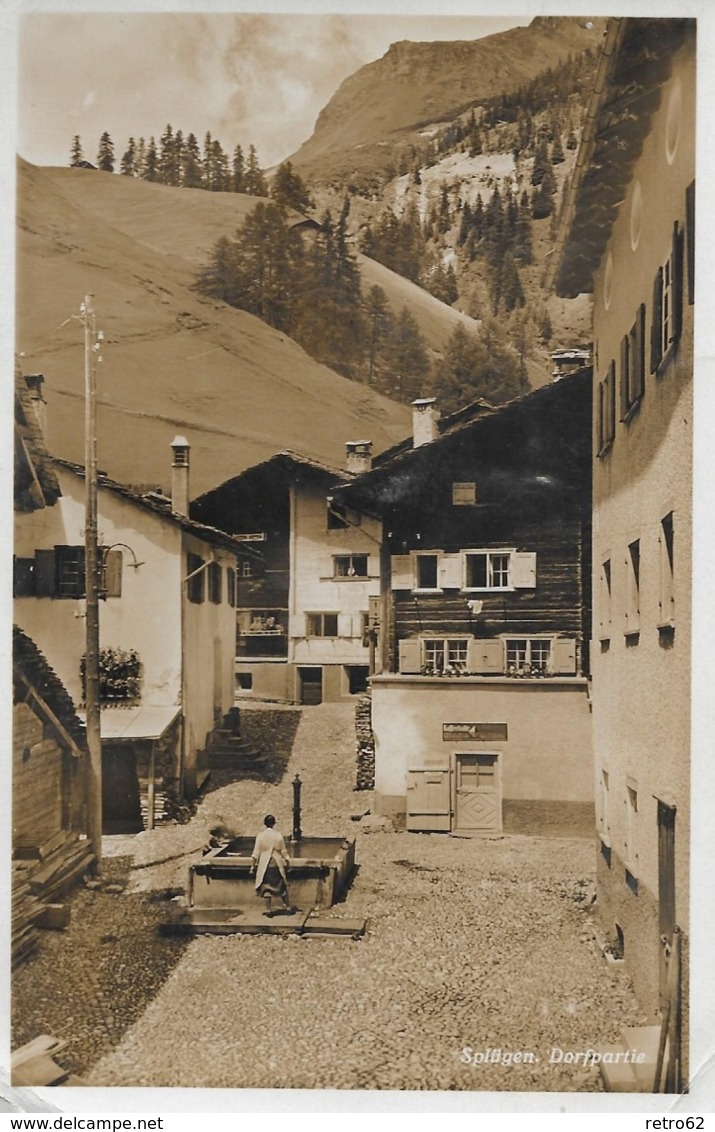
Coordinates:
column 524, row 471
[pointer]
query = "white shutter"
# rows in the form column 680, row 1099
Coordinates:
column 523, row 570
column 449, row 572
column 486, row 656
column 402, row 572
column 356, row 625
column 298, row 625
column 563, row 657
column 410, row 656
column 345, row 625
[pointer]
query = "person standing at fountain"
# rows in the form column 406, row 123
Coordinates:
column 270, row 864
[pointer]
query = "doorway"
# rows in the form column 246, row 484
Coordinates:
column 310, row 685
column 477, row 785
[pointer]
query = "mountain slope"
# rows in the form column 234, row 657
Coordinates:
column 415, row 85
column 173, row 361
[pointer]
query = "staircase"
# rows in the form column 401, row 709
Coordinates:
column 228, row 750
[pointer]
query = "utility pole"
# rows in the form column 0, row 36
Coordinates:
column 94, row 741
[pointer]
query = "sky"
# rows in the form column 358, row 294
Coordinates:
column 256, row 78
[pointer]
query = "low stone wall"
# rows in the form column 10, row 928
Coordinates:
column 365, row 769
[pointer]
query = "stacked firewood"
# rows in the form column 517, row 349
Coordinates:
column 365, row 777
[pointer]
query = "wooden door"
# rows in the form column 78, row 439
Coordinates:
column 477, row 807
column 428, row 799
column 311, row 685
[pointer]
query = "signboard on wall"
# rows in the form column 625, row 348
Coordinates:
column 477, row 732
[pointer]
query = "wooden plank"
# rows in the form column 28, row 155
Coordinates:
column 38, row 1072
column 43, row 1044
column 322, row 925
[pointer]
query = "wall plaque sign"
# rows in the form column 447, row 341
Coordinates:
column 479, row 732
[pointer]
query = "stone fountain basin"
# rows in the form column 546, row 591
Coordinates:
column 318, row 875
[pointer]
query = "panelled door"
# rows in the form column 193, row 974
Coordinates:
column 477, row 804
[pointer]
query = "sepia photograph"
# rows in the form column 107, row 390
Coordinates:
column 352, row 722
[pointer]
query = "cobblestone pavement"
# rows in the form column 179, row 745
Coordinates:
column 487, row 944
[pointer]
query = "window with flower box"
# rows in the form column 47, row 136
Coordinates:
column 528, row 656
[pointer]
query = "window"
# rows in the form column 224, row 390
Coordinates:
column 631, row 847
column 350, row 566
column 464, row 494
column 439, row 654
column 603, row 815
column 607, row 410
column 69, row 566
column 245, row 568
column 322, row 625
column 214, row 583
column 633, row 366
column 528, row 656
column 426, row 566
column 231, row 586
column 357, row 676
column 196, row 578
column 633, row 582
column 605, row 601
column 487, row 570
column 667, row 303
column 667, row 598
column 341, row 517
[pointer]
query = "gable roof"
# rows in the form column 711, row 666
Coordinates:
column 397, row 467
column 160, row 510
column 33, row 676
column 281, row 468
column 635, row 63
column 35, row 482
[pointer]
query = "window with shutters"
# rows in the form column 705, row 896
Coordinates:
column 667, row 314
column 633, row 586
column 605, row 601
column 231, row 586
column 630, row 854
column 426, row 570
column 444, row 655
column 69, row 571
column 607, row 410
column 214, row 582
column 528, row 656
column 321, row 624
column 667, row 596
column 633, row 367
column 487, row 570
column 196, row 574
column 350, row 565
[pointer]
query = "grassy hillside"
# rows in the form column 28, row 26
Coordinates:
column 173, row 362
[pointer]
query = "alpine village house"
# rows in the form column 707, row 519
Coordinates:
column 628, row 237
column 304, row 605
column 167, row 624
column 480, row 712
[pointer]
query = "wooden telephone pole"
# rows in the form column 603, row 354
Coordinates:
column 94, row 741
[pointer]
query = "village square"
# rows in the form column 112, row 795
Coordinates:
column 339, row 773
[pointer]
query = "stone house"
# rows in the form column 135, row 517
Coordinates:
column 628, row 238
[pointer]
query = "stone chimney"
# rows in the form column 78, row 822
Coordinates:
column 425, row 418
column 358, row 456
column 180, row 476
column 34, row 383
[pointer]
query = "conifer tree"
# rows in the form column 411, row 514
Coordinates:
column 557, row 151
column 191, row 172
column 378, row 320
column 238, row 171
column 206, row 164
column 255, row 178
column 105, row 154
column 151, row 162
column 128, row 164
column 406, row 359
column 140, row 158
column 76, row 155
column 523, row 251
column 289, row 189
column 219, row 168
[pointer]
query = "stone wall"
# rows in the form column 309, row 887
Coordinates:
column 365, row 769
